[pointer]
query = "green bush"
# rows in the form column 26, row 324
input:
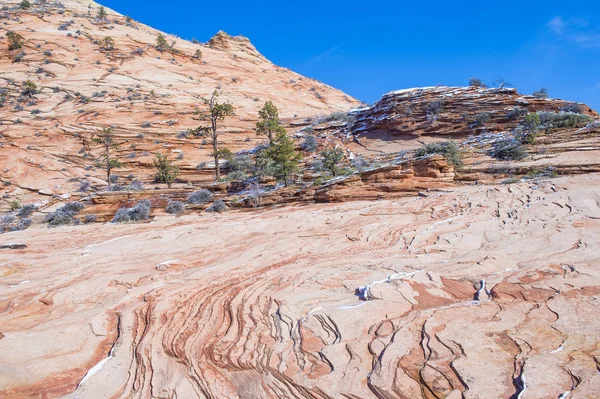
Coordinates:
column 448, row 150
column 166, row 172
column 331, row 158
column 15, row 41
column 553, row 120
column 475, row 82
column 541, row 93
column 508, row 149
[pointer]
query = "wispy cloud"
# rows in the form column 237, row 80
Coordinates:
column 323, row 55
column 556, row 25
column 577, row 31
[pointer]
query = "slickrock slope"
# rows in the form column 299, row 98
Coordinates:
column 148, row 95
column 474, row 292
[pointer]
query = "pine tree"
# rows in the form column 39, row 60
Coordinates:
column 269, row 124
column 15, row 41
column 282, row 155
column 330, row 159
column 214, row 113
column 107, row 44
column 107, row 140
column 101, row 13
column 166, row 172
column 161, row 43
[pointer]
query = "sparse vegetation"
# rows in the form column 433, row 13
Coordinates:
column 482, row 118
column 269, row 124
column 434, row 108
column 166, row 172
column 218, row 206
column 65, row 215
column 541, row 93
column 107, row 140
column 29, row 89
column 331, row 159
column 27, row 210
column 19, row 57
column 84, row 186
column 10, row 223
column 238, row 167
column 15, row 41
column 529, row 129
column 90, row 219
column 197, row 54
column 175, row 207
column 137, row 213
column 516, row 112
column 162, row 44
column 447, row 149
column 508, row 149
column 199, row 197
column 540, row 173
column 309, row 144
column 101, row 15
column 553, row 120
column 573, row 108
column 279, row 159
column 107, row 43
column 337, row 116
column 214, row 113
column 475, row 82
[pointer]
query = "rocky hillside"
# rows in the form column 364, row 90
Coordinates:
column 75, row 73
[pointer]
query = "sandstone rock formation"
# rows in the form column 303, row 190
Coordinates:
column 474, row 292
column 149, row 96
column 410, row 277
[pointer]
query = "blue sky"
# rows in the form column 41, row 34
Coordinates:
column 369, row 48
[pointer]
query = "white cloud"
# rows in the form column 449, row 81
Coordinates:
column 576, row 31
column 556, row 25
column 323, row 55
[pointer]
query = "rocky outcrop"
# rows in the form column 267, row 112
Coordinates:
column 394, row 181
column 451, row 112
column 226, row 42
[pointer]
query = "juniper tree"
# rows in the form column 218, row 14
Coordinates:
column 331, row 158
column 161, row 43
column 29, row 89
column 166, row 172
column 101, row 12
column 198, row 54
column 281, row 155
column 107, row 141
column 15, row 41
column 269, row 124
column 214, row 113
column 107, row 43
